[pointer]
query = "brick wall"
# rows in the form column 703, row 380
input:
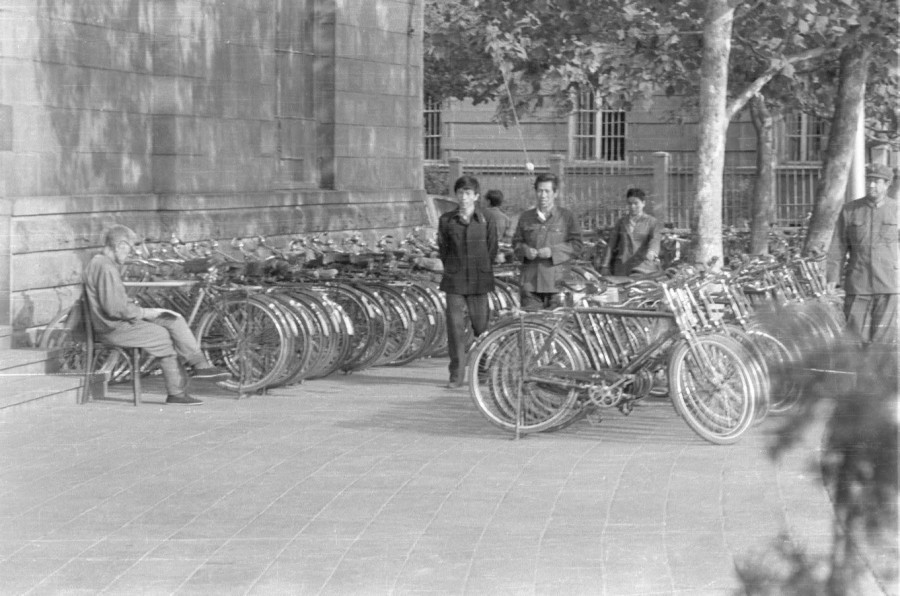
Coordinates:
column 201, row 118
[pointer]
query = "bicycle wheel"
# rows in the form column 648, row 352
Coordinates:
column 712, row 388
column 425, row 325
column 785, row 387
column 67, row 351
column 299, row 325
column 401, row 322
column 500, row 391
column 246, row 337
column 758, row 367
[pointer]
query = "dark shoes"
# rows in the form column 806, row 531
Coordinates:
column 454, row 384
column 211, row 373
column 182, row 400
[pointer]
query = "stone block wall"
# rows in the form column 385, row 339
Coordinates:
column 203, row 119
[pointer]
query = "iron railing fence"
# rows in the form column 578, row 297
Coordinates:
column 595, row 191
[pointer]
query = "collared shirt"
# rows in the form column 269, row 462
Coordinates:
column 560, row 232
column 631, row 240
column 865, row 248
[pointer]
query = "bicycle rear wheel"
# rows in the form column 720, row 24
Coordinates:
column 712, row 388
column 501, row 392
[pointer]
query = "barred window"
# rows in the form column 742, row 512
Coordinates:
column 805, row 137
column 432, row 111
column 597, row 134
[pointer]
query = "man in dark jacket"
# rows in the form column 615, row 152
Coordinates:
column 467, row 244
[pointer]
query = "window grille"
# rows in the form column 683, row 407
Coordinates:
column 597, row 134
column 805, row 137
column 432, row 112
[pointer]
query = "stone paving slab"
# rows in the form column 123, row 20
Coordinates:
column 384, row 482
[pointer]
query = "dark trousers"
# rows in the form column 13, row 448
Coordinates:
column 872, row 317
column 463, row 309
column 536, row 300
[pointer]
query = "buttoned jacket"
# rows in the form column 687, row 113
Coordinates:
column 864, row 248
column 627, row 250
column 561, row 233
column 467, row 251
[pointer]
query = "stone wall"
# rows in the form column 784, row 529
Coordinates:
column 202, row 119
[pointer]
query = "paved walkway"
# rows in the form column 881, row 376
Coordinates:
column 384, row 482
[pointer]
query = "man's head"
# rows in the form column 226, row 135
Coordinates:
column 466, row 190
column 635, row 198
column 878, row 179
column 545, row 187
column 119, row 241
column 494, row 197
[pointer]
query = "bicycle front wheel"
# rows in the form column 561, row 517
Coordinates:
column 243, row 336
column 712, row 388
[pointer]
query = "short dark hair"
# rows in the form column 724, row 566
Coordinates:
column 547, row 177
column 637, row 193
column 494, row 197
column 466, row 183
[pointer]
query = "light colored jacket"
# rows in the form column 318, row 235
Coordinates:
column 561, row 233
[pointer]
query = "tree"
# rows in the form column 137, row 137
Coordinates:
column 707, row 227
column 537, row 53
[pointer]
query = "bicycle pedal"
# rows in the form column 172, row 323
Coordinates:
column 594, row 418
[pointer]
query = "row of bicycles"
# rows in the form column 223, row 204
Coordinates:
column 279, row 316
column 715, row 342
column 718, row 343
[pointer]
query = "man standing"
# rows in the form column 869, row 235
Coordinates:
column 119, row 321
column 504, row 225
column 634, row 245
column 546, row 237
column 864, row 257
column 467, row 245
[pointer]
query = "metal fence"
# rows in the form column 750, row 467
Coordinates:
column 596, row 191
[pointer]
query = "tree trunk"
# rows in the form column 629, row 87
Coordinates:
column 854, row 68
column 764, row 191
column 707, row 224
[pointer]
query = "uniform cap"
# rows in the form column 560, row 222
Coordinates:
column 880, row 171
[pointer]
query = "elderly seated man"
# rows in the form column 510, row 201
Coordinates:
column 119, row 321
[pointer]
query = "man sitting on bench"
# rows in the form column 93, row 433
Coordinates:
column 163, row 333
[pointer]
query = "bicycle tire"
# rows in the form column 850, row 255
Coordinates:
column 495, row 381
column 244, row 335
column 425, row 325
column 716, row 404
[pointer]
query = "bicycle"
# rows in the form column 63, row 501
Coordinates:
column 541, row 371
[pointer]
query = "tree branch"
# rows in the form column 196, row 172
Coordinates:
column 738, row 103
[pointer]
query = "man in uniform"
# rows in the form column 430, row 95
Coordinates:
column 864, row 257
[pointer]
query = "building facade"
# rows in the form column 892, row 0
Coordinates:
column 200, row 119
column 602, row 153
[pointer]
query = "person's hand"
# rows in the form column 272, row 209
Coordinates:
column 651, row 255
column 157, row 313
column 530, row 253
column 545, row 252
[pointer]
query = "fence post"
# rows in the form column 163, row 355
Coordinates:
column 659, row 207
column 455, row 170
column 557, row 168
